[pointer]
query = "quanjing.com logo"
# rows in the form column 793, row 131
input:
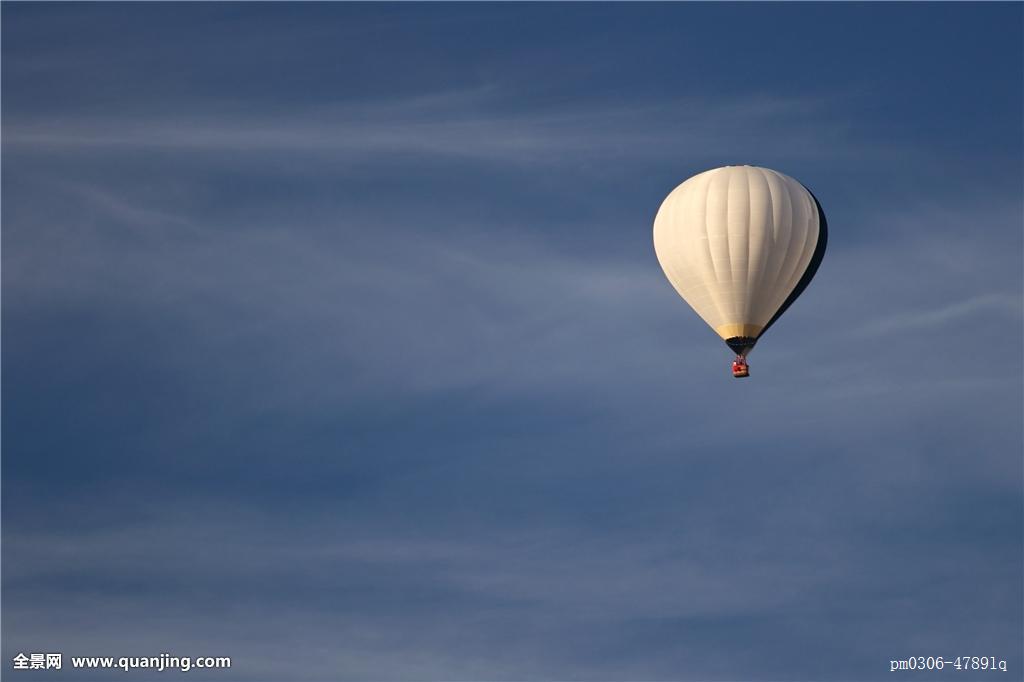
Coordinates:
column 165, row 661
column 37, row 661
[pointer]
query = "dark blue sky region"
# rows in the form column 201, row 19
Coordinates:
column 334, row 341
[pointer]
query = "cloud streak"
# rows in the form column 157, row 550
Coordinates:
column 480, row 125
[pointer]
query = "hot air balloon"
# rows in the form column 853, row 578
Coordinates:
column 740, row 244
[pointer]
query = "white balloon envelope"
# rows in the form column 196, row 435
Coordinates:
column 740, row 244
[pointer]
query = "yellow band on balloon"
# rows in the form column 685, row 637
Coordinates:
column 727, row 331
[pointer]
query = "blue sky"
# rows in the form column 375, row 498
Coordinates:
column 334, row 341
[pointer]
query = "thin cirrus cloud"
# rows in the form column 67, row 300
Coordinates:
column 509, row 579
column 1007, row 306
column 480, row 125
column 506, row 303
column 496, row 299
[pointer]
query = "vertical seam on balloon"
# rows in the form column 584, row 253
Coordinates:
column 805, row 255
column 747, row 294
column 790, row 262
column 784, row 197
column 791, row 270
column 735, row 315
column 675, row 237
column 757, row 295
column 712, row 291
column 820, row 245
column 728, row 283
column 676, row 242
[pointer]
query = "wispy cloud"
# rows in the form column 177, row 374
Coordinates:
column 1006, row 305
column 370, row 295
column 484, row 124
